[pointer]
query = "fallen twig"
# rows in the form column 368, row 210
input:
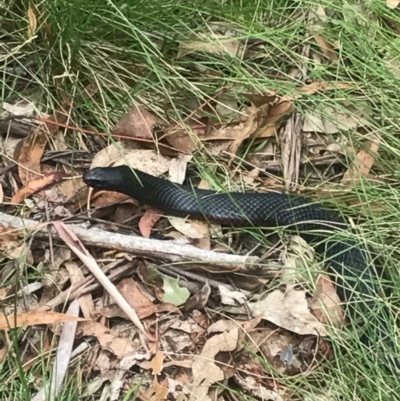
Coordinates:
column 171, row 251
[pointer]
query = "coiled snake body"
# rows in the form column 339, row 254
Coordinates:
column 349, row 261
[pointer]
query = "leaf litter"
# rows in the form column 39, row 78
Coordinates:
column 169, row 325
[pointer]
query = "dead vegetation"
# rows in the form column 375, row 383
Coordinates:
column 166, row 308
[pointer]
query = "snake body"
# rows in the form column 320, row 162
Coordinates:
column 348, row 260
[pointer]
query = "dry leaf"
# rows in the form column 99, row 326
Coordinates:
column 109, row 155
column 245, row 130
column 161, row 390
column 211, row 43
column 298, row 253
column 35, row 317
column 299, row 91
column 82, row 253
column 13, row 245
column 252, row 386
column 186, row 138
column 227, row 105
column 321, row 86
column 229, row 297
column 104, row 198
column 32, row 22
column 75, row 275
column 326, row 48
column 3, row 354
column 330, row 312
column 63, row 357
column 362, row 165
column 199, row 300
column 118, row 346
column 205, row 371
column 392, row 3
column 136, row 298
column 137, row 123
column 147, row 221
column 36, row 185
column 30, row 155
column 333, row 121
column 290, row 311
column 157, row 363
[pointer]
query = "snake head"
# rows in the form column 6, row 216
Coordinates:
column 107, row 178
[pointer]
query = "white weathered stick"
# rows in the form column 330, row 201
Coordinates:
column 170, row 251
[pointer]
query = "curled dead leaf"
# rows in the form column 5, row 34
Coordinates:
column 362, row 164
column 36, row 185
column 290, row 311
column 327, row 305
column 138, row 122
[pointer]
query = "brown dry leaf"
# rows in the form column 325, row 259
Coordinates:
column 330, row 312
column 298, row 253
column 392, row 3
column 104, row 198
column 320, row 86
column 267, row 125
column 327, row 49
column 299, row 91
column 158, row 392
column 253, row 387
column 290, row 311
column 271, row 343
column 157, row 363
column 204, row 370
column 119, row 153
column 186, row 138
column 149, row 275
column 118, row 346
column 109, row 155
column 69, row 189
column 211, row 43
column 32, row 22
column 137, row 123
column 199, row 300
column 227, row 105
column 259, row 99
column 36, row 185
column 261, row 121
column 35, row 317
column 30, row 155
column 75, row 275
column 147, row 221
column 3, row 353
column 278, row 110
column 334, row 120
column 245, row 130
column 30, row 152
column 138, row 300
column 362, row 165
column 161, row 389
column 229, row 297
column 124, row 212
column 75, row 244
column 12, row 244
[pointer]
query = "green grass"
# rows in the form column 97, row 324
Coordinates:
column 129, row 49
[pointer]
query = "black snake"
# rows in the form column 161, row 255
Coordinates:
column 349, row 260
